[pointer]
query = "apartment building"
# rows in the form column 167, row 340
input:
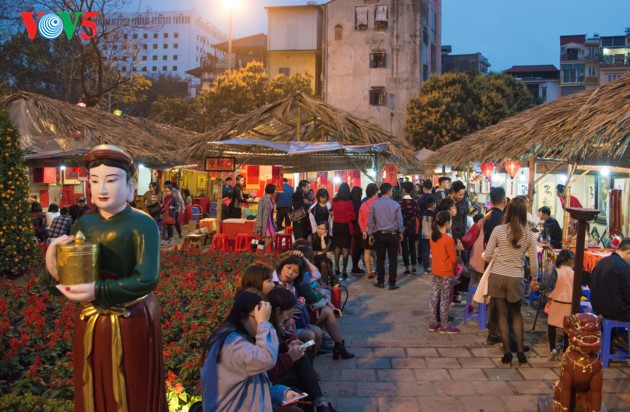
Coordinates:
column 463, row 63
column 376, row 54
column 542, row 81
column 294, row 41
column 163, row 42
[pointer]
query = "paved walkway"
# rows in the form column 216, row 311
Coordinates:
column 400, row 366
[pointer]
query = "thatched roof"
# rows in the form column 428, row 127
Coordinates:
column 318, row 122
column 593, row 125
column 51, row 126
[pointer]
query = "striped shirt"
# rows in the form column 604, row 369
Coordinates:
column 508, row 260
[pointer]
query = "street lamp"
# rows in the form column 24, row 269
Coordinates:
column 231, row 5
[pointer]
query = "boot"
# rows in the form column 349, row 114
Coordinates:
column 340, row 350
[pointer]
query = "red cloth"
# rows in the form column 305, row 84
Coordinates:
column 166, row 217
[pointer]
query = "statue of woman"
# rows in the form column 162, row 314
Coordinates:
column 117, row 343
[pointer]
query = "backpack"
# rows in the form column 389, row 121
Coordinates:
column 427, row 227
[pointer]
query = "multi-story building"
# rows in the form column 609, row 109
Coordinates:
column 543, row 81
column 377, row 54
column 463, row 63
column 574, row 53
column 615, row 57
column 294, row 42
column 163, row 42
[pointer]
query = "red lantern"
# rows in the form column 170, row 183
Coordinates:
column 512, row 168
column 487, row 169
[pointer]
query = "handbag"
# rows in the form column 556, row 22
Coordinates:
column 468, row 240
column 257, row 245
column 154, row 209
column 481, row 294
column 297, row 214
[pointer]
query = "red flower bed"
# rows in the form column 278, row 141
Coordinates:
column 195, row 294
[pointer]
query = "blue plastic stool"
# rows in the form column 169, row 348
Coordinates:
column 586, row 292
column 607, row 327
column 213, row 209
column 196, row 214
column 479, row 314
column 534, row 295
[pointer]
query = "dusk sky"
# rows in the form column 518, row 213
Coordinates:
column 507, row 32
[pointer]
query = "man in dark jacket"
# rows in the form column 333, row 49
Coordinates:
column 458, row 194
column 238, row 198
column 610, row 285
column 78, row 209
column 551, row 230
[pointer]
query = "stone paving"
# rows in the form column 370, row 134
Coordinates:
column 400, row 366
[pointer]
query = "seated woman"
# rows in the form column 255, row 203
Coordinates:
column 291, row 273
column 259, row 277
column 239, row 353
column 322, row 256
column 293, row 368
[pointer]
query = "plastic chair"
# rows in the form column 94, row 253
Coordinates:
column 243, row 242
column 213, row 210
column 607, row 327
column 196, row 214
column 470, row 313
column 586, row 292
column 220, row 242
column 283, row 242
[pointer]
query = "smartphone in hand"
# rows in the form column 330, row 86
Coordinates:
column 308, row 344
column 294, row 399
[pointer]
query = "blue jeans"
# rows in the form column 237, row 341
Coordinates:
column 424, row 252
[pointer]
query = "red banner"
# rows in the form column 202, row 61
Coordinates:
column 390, row 174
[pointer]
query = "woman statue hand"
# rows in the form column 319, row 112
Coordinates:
column 51, row 257
column 82, row 292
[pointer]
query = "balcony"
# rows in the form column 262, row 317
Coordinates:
column 592, row 81
column 571, row 57
column 614, row 60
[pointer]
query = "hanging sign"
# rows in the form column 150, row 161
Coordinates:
column 220, row 164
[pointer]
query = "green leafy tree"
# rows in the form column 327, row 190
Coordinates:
column 233, row 92
column 454, row 105
column 17, row 246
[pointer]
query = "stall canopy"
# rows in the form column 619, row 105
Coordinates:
column 303, row 134
column 589, row 127
column 52, row 129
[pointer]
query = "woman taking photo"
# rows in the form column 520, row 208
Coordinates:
column 509, row 244
column 239, row 353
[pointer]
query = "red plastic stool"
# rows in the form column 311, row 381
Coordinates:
column 220, row 242
column 243, row 242
column 283, row 242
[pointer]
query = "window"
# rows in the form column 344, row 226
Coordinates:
column 591, row 72
column 135, row 35
column 124, row 69
column 285, row 70
column 115, row 47
column 125, row 37
column 166, row 35
column 164, row 57
column 144, row 46
column 155, row 47
column 155, row 35
column 124, row 58
column 175, row 45
column 572, row 73
column 613, row 77
column 144, row 68
column 134, row 68
column 572, row 54
column 164, row 68
column 153, row 69
column 380, row 17
column 425, row 35
column 154, row 57
column 174, row 57
column 145, row 36
column 377, row 96
column 338, row 32
column 361, row 18
column 543, row 93
column 174, row 68
column 165, row 46
column 425, row 72
column 144, row 58
column 377, row 60
column 176, row 35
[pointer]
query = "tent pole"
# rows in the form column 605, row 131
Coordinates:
column 530, row 188
column 567, row 203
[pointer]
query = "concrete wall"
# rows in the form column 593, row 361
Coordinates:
column 294, row 28
column 348, row 77
column 297, row 62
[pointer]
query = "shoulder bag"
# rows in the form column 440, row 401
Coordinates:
column 297, row 214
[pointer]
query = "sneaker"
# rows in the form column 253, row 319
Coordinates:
column 413, row 270
column 553, row 355
column 407, row 272
column 433, row 327
column 448, row 330
column 170, row 241
column 457, row 298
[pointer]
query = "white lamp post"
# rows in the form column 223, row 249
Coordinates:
column 231, row 5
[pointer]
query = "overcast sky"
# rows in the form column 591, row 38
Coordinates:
column 507, row 32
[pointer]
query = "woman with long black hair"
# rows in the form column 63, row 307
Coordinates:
column 343, row 226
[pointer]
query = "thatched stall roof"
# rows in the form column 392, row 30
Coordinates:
column 304, row 119
column 55, row 129
column 592, row 126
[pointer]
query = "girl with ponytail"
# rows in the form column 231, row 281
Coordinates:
column 444, row 269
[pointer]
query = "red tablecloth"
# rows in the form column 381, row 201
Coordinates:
column 592, row 256
column 204, row 203
column 187, row 215
column 231, row 227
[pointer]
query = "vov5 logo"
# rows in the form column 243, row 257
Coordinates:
column 51, row 25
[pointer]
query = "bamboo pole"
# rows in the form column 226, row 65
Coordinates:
column 530, row 187
column 567, row 203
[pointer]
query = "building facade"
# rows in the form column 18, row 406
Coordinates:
column 542, row 81
column 376, row 55
column 164, row 42
column 294, row 42
column 614, row 58
column 463, row 63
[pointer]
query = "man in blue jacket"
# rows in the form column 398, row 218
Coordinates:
column 284, row 205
